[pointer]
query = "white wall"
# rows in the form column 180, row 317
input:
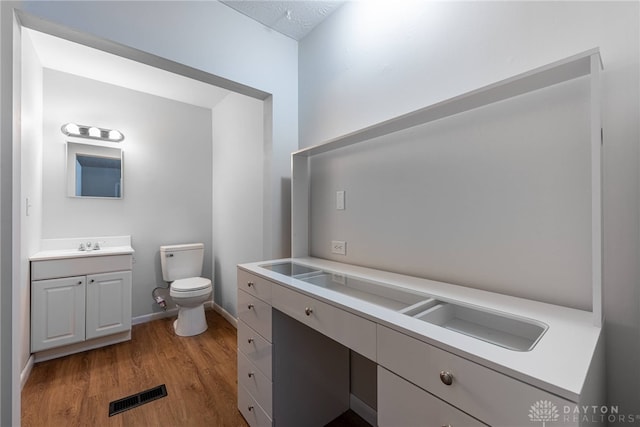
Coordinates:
column 366, row 64
column 30, row 182
column 168, row 175
column 238, row 172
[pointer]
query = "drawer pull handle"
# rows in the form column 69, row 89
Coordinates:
column 308, row 311
column 251, row 374
column 446, row 377
column 249, row 284
column 250, row 407
column 250, row 306
column 250, row 340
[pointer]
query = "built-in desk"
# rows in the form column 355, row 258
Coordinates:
column 445, row 354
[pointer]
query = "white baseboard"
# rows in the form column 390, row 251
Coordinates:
column 369, row 414
column 54, row 353
column 24, row 375
column 174, row 312
column 154, row 316
column 224, row 313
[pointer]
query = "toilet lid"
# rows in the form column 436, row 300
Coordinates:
column 190, row 284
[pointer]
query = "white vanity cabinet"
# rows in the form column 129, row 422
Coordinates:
column 294, row 343
column 80, row 300
column 255, row 387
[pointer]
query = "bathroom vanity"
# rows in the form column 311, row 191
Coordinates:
column 441, row 354
column 80, row 299
column 445, row 354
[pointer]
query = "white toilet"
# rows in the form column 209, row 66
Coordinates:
column 182, row 266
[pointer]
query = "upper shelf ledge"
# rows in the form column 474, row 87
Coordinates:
column 560, row 71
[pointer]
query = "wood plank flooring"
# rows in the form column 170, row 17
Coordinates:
column 200, row 374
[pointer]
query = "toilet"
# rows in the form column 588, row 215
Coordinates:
column 182, row 266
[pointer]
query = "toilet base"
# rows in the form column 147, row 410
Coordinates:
column 191, row 321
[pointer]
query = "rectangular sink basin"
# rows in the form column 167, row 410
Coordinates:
column 501, row 329
column 289, row 268
column 372, row 292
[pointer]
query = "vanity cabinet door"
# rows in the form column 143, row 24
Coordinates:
column 108, row 303
column 57, row 312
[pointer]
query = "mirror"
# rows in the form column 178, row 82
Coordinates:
column 94, row 171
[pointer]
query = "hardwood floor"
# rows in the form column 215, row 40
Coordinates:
column 200, row 374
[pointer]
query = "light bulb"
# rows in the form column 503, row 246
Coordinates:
column 115, row 135
column 72, row 128
column 94, row 132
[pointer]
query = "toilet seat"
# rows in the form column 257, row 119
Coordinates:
column 190, row 284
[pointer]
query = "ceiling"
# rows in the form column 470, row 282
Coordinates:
column 294, row 19
column 73, row 58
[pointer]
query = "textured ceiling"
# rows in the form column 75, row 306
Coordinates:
column 294, row 19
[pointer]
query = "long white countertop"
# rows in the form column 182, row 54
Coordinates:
column 559, row 362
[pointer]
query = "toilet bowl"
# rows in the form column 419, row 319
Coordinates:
column 182, row 266
column 190, row 295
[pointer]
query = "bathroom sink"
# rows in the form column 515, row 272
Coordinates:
column 75, row 253
column 290, row 269
column 375, row 293
column 501, row 329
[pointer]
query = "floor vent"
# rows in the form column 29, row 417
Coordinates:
column 137, row 399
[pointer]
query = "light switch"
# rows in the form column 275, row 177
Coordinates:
column 340, row 200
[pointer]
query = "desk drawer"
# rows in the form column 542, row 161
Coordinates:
column 255, row 313
column 493, row 398
column 255, row 285
column 348, row 329
column 401, row 404
column 251, row 410
column 257, row 349
column 256, row 383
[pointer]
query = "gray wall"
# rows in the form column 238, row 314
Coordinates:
column 168, row 174
column 498, row 199
column 365, row 64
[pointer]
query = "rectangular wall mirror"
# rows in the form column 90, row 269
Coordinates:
column 94, row 171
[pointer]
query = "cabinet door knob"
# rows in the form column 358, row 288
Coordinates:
column 91, row 281
column 250, row 306
column 308, row 311
column 446, row 377
column 79, row 282
column 250, row 407
column 250, row 340
column 249, row 284
column 251, row 374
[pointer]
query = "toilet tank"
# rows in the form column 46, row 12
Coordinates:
column 181, row 261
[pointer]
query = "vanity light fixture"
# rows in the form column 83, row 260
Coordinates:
column 92, row 132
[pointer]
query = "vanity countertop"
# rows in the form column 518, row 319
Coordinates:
column 69, row 247
column 559, row 362
column 75, row 253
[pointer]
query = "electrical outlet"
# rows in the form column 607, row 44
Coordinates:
column 338, row 247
